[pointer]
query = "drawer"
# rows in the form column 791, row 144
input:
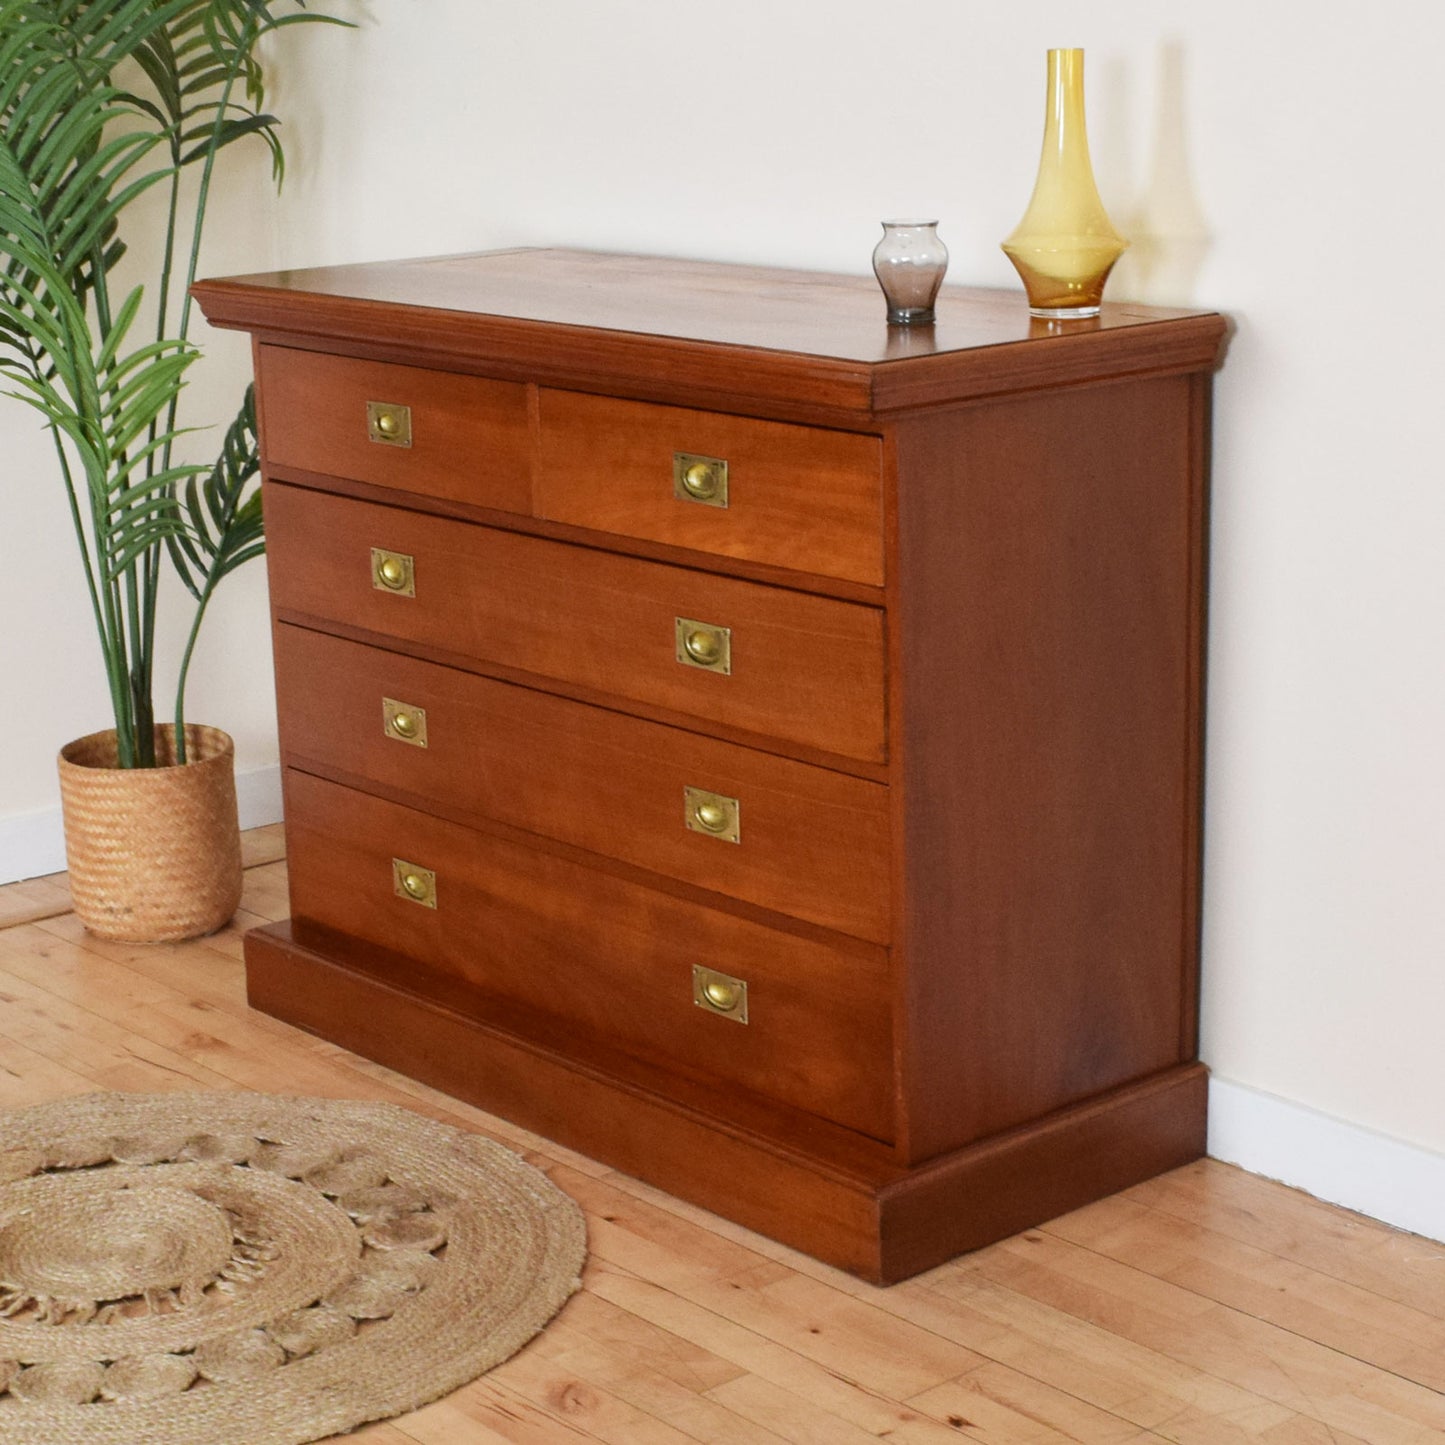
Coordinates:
column 803, row 840
column 458, row 437
column 792, row 496
column 805, row 669
column 607, row 959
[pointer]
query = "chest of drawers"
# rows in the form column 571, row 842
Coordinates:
column 749, row 744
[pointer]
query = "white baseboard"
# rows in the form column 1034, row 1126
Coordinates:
column 1399, row 1183
column 33, row 844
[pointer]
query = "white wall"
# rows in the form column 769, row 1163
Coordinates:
column 782, row 132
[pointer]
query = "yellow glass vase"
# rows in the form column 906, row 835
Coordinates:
column 1065, row 246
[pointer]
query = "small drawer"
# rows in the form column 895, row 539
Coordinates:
column 790, row 496
column 801, row 840
column 434, row 433
column 774, row 662
column 637, row 971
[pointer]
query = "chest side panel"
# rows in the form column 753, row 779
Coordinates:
column 1046, row 626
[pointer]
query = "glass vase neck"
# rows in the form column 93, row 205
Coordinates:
column 1066, row 135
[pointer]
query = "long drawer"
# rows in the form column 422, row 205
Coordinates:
column 609, row 958
column 435, row 433
column 775, row 662
column 792, row 496
column 785, row 835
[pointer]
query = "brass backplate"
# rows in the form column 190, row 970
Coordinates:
column 704, row 645
column 387, row 565
column 714, row 815
column 388, row 422
column 414, row 883
column 700, row 479
column 720, row 994
column 403, row 722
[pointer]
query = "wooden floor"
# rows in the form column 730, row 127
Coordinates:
column 1205, row 1306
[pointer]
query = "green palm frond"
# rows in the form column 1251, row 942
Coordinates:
column 223, row 529
column 122, row 392
column 223, row 524
column 63, row 182
column 207, row 90
column 100, row 101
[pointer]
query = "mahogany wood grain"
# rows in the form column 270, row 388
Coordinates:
column 601, row 955
column 632, row 546
column 978, row 1194
column 753, row 340
column 1201, row 402
column 964, row 569
column 731, row 1107
column 873, row 1219
column 592, row 696
column 824, row 1208
column 798, row 497
column 803, row 667
column 1045, row 644
column 813, row 843
column 470, row 439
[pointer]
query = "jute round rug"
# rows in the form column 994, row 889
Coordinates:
column 241, row 1269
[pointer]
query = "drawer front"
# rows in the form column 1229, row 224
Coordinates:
column 802, row 668
column 791, row 496
column 605, row 958
column 805, row 841
column 435, row 433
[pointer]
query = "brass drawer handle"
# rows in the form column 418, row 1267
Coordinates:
column 715, row 814
column 414, row 883
column 404, row 722
column 388, row 422
column 701, row 644
column 700, row 479
column 393, row 572
column 720, row 993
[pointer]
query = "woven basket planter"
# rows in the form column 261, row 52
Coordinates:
column 154, row 853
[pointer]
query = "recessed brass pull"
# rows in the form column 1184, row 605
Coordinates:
column 388, row 422
column 715, row 814
column 393, row 572
column 701, row 644
column 403, row 721
column 700, row 479
column 720, row 994
column 414, row 883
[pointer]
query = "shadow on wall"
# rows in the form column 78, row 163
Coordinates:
column 1168, row 234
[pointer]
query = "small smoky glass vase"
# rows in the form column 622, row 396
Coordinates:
column 909, row 263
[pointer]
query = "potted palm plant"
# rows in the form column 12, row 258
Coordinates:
column 102, row 102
